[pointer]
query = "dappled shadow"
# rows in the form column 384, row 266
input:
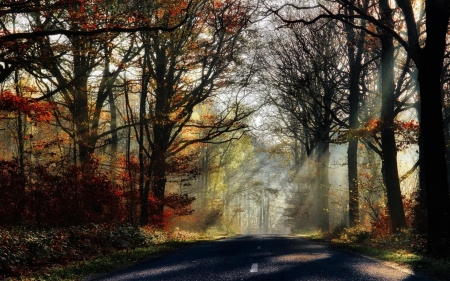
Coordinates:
column 277, row 258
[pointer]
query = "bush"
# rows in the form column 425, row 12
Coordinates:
column 211, row 218
column 338, row 230
column 382, row 226
column 357, row 234
column 351, row 234
column 23, row 248
column 12, row 192
column 72, row 196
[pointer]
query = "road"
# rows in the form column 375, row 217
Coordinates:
column 264, row 257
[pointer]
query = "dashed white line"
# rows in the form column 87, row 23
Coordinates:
column 254, row 267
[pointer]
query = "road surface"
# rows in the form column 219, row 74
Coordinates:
column 264, row 257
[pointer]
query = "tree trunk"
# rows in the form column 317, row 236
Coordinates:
column 429, row 62
column 81, row 119
column 323, row 189
column 159, row 184
column 79, row 106
column 353, row 189
column 388, row 144
column 144, row 186
column 431, row 127
column 354, row 52
column 162, row 129
column 266, row 215
column 113, row 122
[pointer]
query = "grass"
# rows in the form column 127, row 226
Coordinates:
column 439, row 268
column 394, row 248
column 76, row 252
column 78, row 271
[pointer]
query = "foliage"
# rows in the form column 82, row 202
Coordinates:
column 179, row 203
column 159, row 236
column 12, row 197
column 210, row 219
column 176, row 205
column 58, row 197
column 104, row 263
column 128, row 181
column 24, row 247
column 36, row 111
column 406, row 131
column 350, row 234
column 382, row 226
column 204, row 219
column 405, row 248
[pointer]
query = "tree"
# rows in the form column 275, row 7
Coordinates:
column 18, row 106
column 18, row 40
column 181, row 70
column 428, row 56
column 388, row 143
column 309, row 82
column 355, row 51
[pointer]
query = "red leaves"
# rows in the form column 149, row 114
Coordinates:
column 73, row 195
column 179, row 203
column 37, row 111
column 410, row 126
column 176, row 205
column 382, row 227
column 12, row 192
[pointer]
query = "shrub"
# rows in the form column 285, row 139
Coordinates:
column 350, row 234
column 175, row 205
column 23, row 247
column 73, row 195
column 12, row 192
column 382, row 226
column 338, row 230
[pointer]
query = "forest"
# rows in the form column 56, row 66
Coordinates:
column 234, row 116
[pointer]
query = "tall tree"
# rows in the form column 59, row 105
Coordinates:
column 309, row 85
column 86, row 41
column 183, row 69
column 428, row 56
column 388, row 143
column 355, row 51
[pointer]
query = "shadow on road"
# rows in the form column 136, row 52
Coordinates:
column 262, row 258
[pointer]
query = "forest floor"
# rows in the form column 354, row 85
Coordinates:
column 405, row 249
column 76, row 252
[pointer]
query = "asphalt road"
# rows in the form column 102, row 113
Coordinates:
column 264, row 257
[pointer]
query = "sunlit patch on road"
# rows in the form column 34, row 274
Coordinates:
column 301, row 257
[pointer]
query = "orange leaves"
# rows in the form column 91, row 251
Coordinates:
column 169, row 12
column 231, row 14
column 373, row 125
column 37, row 111
column 400, row 127
column 406, row 131
column 368, row 129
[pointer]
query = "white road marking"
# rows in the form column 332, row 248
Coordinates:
column 254, row 268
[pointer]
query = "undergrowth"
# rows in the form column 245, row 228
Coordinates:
column 406, row 248
column 26, row 250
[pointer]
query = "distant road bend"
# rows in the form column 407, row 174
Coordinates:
column 263, row 257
